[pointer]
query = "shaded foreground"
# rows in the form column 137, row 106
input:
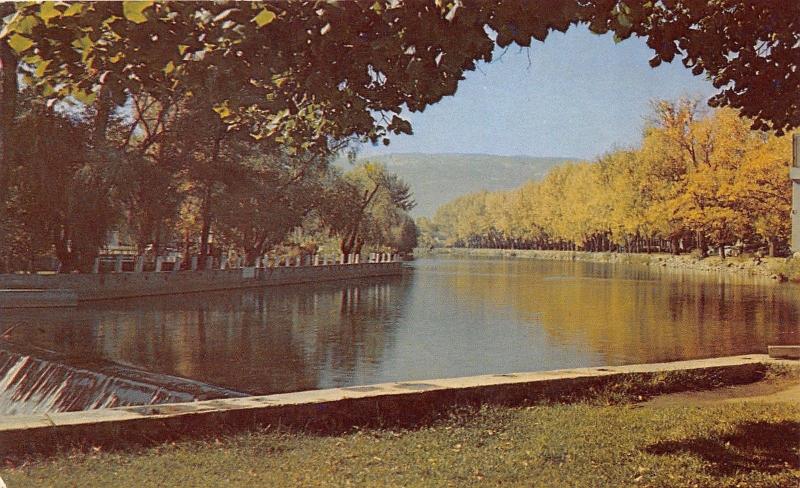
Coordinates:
column 592, row 443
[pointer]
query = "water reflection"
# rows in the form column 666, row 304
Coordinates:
column 255, row 341
column 445, row 318
column 633, row 313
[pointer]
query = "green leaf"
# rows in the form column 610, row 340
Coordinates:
column 86, row 98
column 133, row 11
column 41, row 68
column 23, row 24
column 48, row 11
column 264, row 17
column 19, row 43
column 84, row 45
column 73, row 9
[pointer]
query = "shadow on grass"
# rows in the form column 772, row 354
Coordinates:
column 755, row 446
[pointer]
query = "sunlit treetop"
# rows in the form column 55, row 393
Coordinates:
column 306, row 72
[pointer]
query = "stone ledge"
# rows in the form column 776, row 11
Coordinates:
column 336, row 408
column 785, row 352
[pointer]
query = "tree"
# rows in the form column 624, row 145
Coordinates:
column 399, row 53
column 363, row 203
column 274, row 196
column 697, row 180
column 63, row 199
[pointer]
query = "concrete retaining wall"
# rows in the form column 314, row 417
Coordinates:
column 130, row 284
column 23, row 298
column 341, row 408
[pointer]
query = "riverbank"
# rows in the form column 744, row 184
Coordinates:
column 609, row 439
column 778, row 269
column 56, row 290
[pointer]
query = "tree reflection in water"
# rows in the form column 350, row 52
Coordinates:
column 447, row 317
column 257, row 341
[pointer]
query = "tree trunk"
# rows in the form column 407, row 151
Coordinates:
column 64, row 255
column 205, row 229
column 674, row 246
column 103, row 107
column 701, row 244
column 771, row 243
column 8, row 111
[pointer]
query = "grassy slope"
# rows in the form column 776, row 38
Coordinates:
column 736, row 444
column 438, row 178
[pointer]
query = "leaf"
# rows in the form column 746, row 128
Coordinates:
column 133, row 11
column 48, row 11
column 86, row 98
column 19, row 43
column 21, row 24
column 222, row 110
column 73, row 9
column 83, row 44
column 264, row 17
column 41, row 68
column 169, row 68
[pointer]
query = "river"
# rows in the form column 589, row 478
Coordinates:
column 441, row 318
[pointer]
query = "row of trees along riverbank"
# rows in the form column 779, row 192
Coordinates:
column 176, row 147
column 698, row 181
column 172, row 177
column 181, row 182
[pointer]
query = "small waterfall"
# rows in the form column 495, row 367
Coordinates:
column 30, row 385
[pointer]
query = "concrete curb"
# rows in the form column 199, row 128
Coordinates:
column 340, row 408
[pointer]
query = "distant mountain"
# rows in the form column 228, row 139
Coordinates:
column 436, row 179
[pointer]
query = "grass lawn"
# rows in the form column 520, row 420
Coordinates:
column 725, row 444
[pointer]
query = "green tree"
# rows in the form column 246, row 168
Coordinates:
column 363, row 203
column 63, row 196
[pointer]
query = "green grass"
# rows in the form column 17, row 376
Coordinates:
column 738, row 444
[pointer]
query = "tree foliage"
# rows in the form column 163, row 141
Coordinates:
column 206, row 82
column 697, row 180
column 368, row 205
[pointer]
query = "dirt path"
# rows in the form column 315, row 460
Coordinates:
column 771, row 391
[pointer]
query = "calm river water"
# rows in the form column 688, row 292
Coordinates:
column 442, row 318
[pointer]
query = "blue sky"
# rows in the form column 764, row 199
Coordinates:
column 581, row 96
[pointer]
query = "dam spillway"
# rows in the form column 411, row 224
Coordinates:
column 32, row 384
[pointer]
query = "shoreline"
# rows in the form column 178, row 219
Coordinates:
column 345, row 407
column 652, row 423
column 777, row 269
column 58, row 290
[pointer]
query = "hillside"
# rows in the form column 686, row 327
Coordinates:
column 436, row 179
